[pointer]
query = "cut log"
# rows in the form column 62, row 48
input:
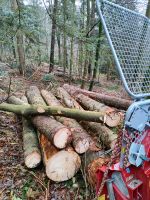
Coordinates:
column 60, row 165
column 106, row 99
column 65, row 97
column 32, row 154
column 112, row 117
column 91, row 162
column 56, row 132
column 81, row 140
column 106, row 136
column 31, row 148
column 24, row 99
column 16, row 101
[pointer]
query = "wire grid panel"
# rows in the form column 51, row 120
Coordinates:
column 130, row 36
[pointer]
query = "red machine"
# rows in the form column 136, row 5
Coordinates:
column 128, row 34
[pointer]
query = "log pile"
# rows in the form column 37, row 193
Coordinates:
column 65, row 131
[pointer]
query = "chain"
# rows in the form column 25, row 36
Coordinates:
column 115, row 154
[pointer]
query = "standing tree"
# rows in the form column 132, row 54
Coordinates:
column 96, row 57
column 148, row 9
column 64, row 35
column 86, row 46
column 53, row 36
column 16, row 7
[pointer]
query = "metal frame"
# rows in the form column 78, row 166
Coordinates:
column 134, row 96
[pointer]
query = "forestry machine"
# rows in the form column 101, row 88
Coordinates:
column 128, row 34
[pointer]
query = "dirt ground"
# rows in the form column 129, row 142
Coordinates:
column 16, row 181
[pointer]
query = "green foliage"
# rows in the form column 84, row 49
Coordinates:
column 49, row 78
column 113, row 87
column 3, row 73
column 14, row 197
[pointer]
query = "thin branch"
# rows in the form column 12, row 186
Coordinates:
column 88, row 33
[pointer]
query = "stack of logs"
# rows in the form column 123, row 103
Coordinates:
column 63, row 142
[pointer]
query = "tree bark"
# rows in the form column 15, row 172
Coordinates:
column 71, row 60
column 81, row 139
column 65, row 97
column 54, row 130
column 65, row 63
column 31, row 148
column 59, row 47
column 32, row 154
column 60, row 165
column 85, row 69
column 33, row 110
column 19, row 39
column 53, row 37
column 96, row 58
column 112, row 119
column 148, row 9
column 108, row 100
column 106, row 136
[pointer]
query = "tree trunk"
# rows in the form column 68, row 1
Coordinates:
column 55, row 131
column 96, row 57
column 81, row 139
column 59, row 47
column 92, row 22
column 13, row 47
column 108, row 100
column 112, row 119
column 64, row 36
column 60, row 165
column 85, row 70
column 19, row 40
column 71, row 61
column 32, row 154
column 53, row 37
column 148, row 9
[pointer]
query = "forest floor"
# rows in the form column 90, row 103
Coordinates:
column 16, row 181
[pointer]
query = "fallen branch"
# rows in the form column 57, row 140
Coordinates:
column 26, row 110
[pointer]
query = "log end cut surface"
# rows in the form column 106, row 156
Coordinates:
column 82, row 145
column 63, row 166
column 33, row 160
column 62, row 138
column 113, row 119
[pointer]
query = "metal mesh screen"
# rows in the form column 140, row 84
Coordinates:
column 130, row 35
